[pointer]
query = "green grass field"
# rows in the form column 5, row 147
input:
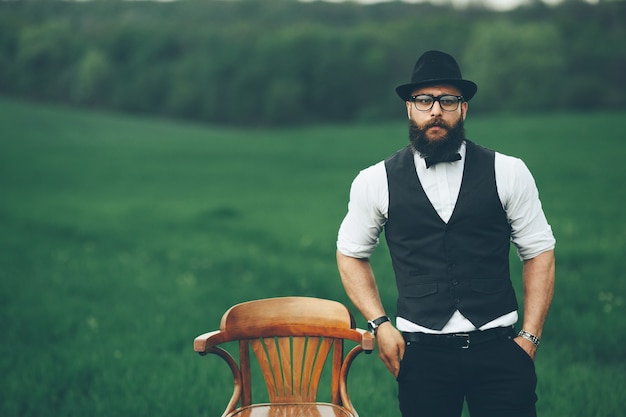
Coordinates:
column 123, row 238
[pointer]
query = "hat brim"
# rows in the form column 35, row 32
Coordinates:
column 467, row 88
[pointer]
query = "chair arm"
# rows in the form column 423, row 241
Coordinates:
column 343, row 378
column 366, row 346
column 237, row 378
column 204, row 342
column 367, row 341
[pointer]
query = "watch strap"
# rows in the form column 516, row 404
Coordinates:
column 374, row 324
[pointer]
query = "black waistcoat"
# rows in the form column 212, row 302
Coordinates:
column 441, row 267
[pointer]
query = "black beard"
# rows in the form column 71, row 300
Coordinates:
column 443, row 147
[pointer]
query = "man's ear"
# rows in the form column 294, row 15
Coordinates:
column 408, row 109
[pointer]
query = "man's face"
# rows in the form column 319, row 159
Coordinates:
column 436, row 122
column 436, row 132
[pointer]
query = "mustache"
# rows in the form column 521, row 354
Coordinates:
column 437, row 123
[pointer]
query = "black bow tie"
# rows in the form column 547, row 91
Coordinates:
column 434, row 161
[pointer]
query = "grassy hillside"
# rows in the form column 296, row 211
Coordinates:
column 124, row 238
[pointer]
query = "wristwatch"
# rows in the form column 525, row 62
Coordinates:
column 373, row 325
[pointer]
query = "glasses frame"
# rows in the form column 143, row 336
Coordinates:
column 437, row 99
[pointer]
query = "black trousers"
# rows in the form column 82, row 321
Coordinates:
column 496, row 378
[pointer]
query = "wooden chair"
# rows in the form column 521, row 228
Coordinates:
column 291, row 338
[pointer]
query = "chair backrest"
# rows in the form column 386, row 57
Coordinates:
column 292, row 339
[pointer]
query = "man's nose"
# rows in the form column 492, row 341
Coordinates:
column 436, row 110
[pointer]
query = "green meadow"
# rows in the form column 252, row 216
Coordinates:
column 123, row 238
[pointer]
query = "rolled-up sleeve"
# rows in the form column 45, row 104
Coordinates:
column 530, row 232
column 360, row 229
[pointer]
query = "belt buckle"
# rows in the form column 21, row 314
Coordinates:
column 467, row 339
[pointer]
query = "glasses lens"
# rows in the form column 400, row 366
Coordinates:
column 449, row 103
column 423, row 102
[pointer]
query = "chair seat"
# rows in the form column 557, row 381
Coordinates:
column 292, row 410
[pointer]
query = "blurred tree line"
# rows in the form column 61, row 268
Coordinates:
column 273, row 62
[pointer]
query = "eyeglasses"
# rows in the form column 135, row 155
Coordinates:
column 425, row 102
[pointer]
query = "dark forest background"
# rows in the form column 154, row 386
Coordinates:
column 276, row 62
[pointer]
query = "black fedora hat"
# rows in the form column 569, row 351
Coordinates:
column 435, row 67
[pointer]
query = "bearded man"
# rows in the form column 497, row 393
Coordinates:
column 450, row 209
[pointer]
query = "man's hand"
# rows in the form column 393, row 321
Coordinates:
column 527, row 345
column 390, row 347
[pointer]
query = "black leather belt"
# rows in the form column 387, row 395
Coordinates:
column 460, row 340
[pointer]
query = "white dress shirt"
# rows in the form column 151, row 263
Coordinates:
column 368, row 210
